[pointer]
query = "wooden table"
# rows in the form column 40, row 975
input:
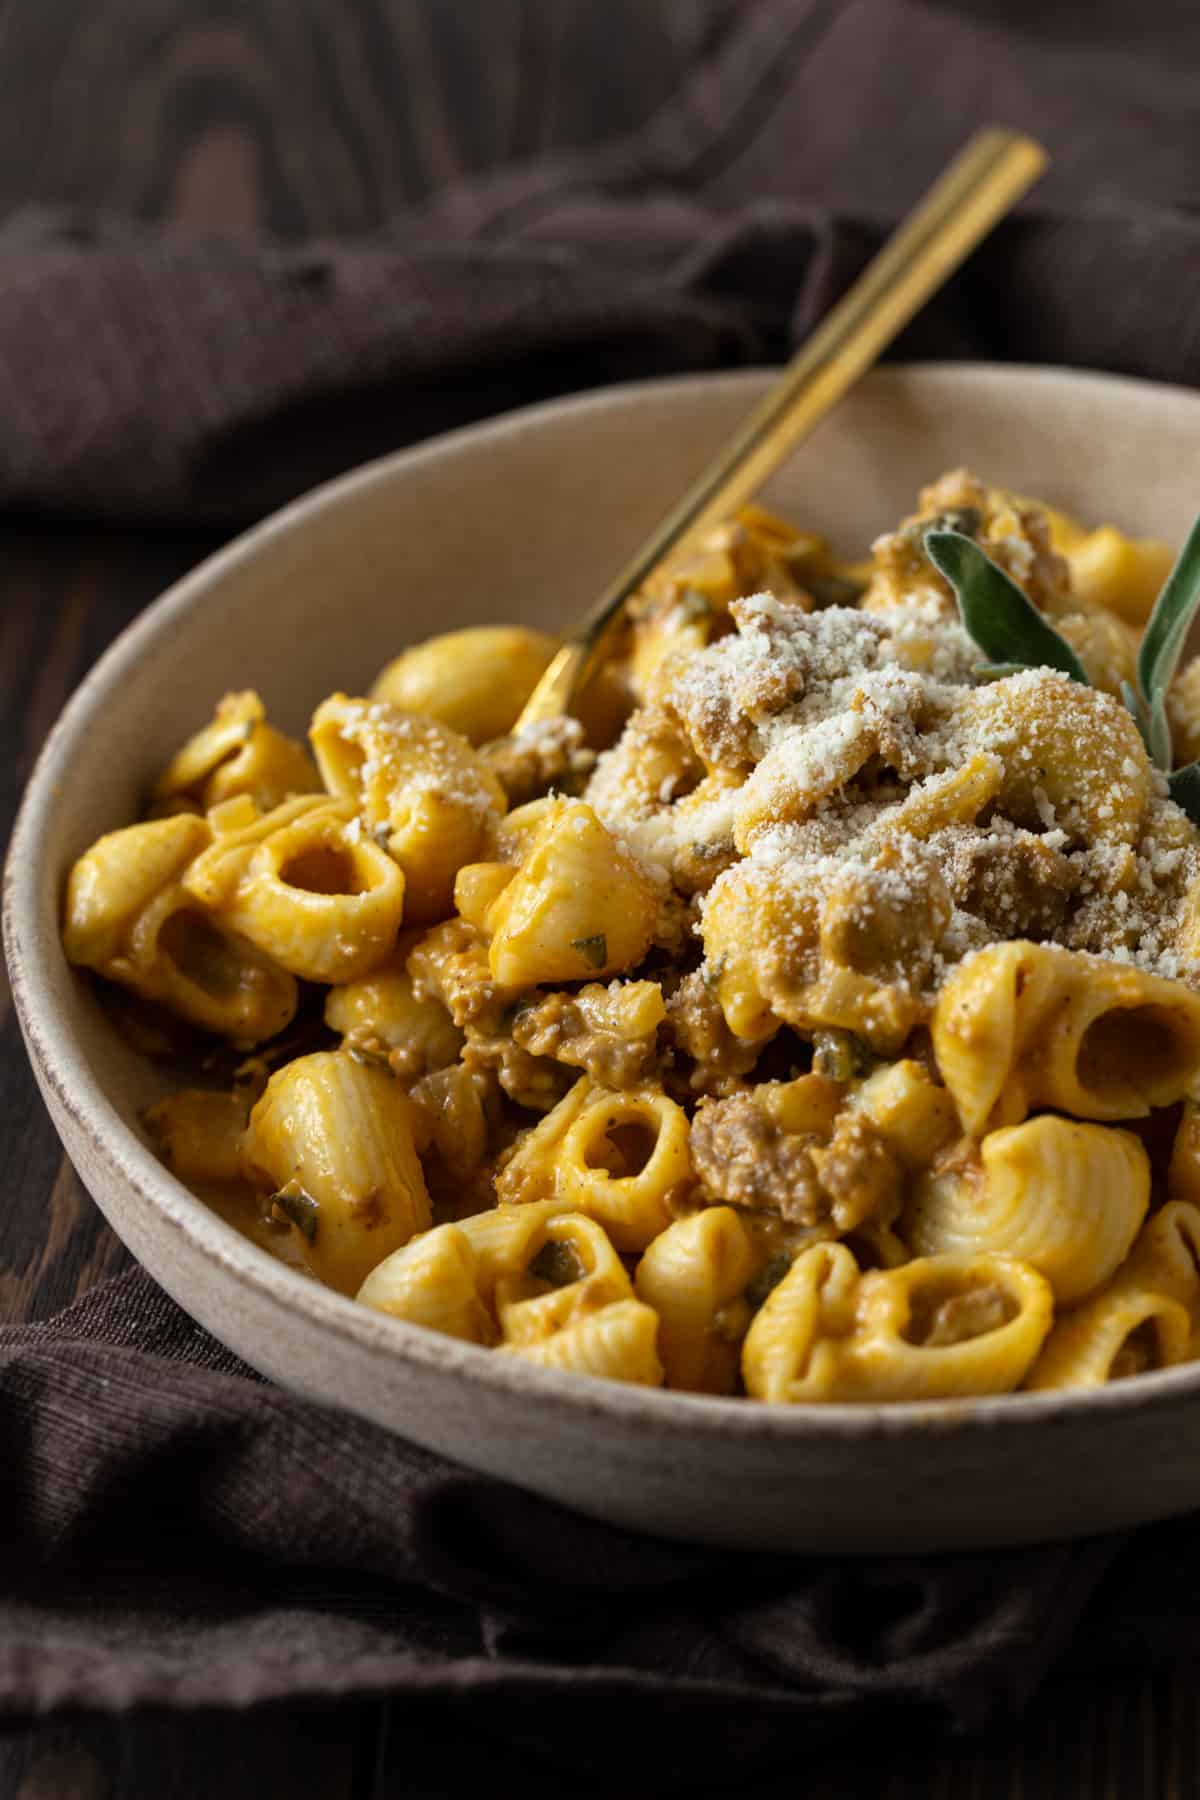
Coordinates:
column 279, row 113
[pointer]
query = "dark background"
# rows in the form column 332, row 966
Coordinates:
column 328, row 117
column 311, row 117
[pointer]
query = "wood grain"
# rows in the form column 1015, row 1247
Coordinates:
column 66, row 595
column 308, row 117
column 287, row 1752
column 316, row 116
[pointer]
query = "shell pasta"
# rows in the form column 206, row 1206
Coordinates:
column 815, row 1019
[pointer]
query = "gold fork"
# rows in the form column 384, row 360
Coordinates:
column 983, row 183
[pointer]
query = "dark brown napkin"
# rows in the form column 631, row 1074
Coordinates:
column 179, row 1533
column 179, row 377
column 182, row 1534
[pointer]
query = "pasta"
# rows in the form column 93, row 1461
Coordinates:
column 936, row 1327
column 334, row 1139
column 1066, row 1198
column 815, row 1019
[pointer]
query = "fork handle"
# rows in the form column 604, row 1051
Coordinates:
column 984, row 182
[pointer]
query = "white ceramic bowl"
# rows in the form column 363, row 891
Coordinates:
column 524, row 519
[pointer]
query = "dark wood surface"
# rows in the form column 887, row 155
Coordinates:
column 304, row 116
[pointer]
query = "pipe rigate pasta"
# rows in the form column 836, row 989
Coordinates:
column 380, row 1015
column 1122, row 1331
column 913, row 1114
column 779, row 954
column 130, row 917
column 542, row 1276
column 1165, row 1258
column 618, row 1342
column 620, row 1157
column 572, row 1271
column 432, row 1281
column 936, row 1327
column 238, row 753
column 198, row 1133
column 1052, row 1027
column 334, row 1139
column 624, row 1161
column 792, row 1349
column 1145, row 1318
column 577, row 907
column 805, row 1033
column 695, row 1275
column 476, row 681
column 1183, row 1174
column 305, row 886
column 421, row 790
column 1112, row 572
column 1065, row 1197
column 110, row 886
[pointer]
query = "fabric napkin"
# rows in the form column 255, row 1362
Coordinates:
column 179, row 1532
column 182, row 1534
column 163, row 376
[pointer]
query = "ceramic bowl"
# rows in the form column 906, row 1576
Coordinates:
column 524, row 519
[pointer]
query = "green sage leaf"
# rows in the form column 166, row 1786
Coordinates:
column 557, row 1263
column 298, row 1207
column 1137, row 707
column 1005, row 624
column 767, row 1279
column 1185, row 790
column 594, row 950
column 1163, row 641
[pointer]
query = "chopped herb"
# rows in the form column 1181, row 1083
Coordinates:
column 299, row 1208
column 594, row 950
column 557, row 1263
column 1005, row 624
column 768, row 1277
column 841, row 1055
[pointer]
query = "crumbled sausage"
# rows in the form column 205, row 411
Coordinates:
column 696, row 1025
column 741, row 1157
column 559, row 1027
column 548, row 755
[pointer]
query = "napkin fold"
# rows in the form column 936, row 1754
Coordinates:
column 159, row 375
column 179, row 1533
column 182, row 1534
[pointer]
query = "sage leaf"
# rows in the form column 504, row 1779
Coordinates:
column 1137, row 706
column 294, row 1204
column 1185, row 790
column 558, row 1263
column 1163, row 641
column 767, row 1279
column 1007, row 627
column 594, row 950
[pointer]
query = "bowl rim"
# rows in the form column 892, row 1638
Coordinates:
column 29, row 938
